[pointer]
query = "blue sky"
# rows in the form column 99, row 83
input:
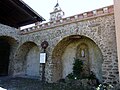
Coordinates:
column 70, row 7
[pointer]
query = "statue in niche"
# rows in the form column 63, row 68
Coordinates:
column 82, row 53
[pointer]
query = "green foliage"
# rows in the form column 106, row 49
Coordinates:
column 71, row 76
column 77, row 67
column 92, row 75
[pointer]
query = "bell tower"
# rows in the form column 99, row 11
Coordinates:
column 57, row 13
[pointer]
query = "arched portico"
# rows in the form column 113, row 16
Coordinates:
column 76, row 46
column 7, row 44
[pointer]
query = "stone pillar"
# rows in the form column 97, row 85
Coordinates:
column 117, row 27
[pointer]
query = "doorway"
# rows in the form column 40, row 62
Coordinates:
column 4, row 57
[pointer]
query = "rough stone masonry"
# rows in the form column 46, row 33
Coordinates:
column 92, row 32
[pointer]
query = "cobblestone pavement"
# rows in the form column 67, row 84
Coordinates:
column 20, row 84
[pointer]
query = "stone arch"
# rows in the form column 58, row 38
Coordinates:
column 66, row 50
column 27, row 60
column 7, row 47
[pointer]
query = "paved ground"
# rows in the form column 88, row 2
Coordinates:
column 20, row 84
column 35, row 84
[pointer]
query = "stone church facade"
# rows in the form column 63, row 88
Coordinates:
column 89, row 36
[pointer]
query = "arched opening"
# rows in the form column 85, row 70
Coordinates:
column 6, row 46
column 80, row 47
column 82, row 53
column 27, row 60
column 4, row 57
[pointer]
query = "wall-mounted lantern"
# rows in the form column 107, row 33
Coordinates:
column 44, row 45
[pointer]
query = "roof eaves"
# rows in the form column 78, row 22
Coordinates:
column 32, row 10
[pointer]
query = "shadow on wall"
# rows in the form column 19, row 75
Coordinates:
column 6, row 54
column 76, row 47
column 27, row 60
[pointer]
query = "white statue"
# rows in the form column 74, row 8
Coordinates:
column 82, row 53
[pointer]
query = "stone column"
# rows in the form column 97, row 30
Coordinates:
column 117, row 27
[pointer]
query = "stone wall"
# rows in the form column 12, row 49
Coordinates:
column 11, row 36
column 98, row 27
column 71, row 19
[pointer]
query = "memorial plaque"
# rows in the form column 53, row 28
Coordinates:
column 42, row 57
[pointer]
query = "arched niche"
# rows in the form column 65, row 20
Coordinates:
column 82, row 53
column 7, row 47
column 27, row 60
column 76, row 46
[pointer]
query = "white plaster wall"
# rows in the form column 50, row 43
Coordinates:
column 95, row 58
column 68, row 59
column 32, row 68
column 117, row 27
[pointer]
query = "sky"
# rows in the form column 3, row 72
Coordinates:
column 70, row 7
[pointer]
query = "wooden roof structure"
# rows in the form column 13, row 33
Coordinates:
column 16, row 13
